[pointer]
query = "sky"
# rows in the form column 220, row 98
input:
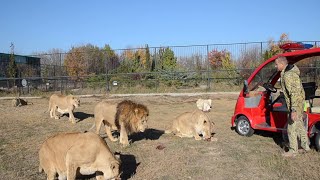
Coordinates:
column 36, row 26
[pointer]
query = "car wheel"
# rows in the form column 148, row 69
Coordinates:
column 243, row 127
column 317, row 141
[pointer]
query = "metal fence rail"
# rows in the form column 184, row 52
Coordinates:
column 127, row 71
column 188, row 58
column 151, row 82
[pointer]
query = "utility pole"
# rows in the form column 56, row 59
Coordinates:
column 12, row 48
column 12, row 67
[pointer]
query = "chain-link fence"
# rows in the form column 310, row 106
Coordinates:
column 188, row 81
column 148, row 69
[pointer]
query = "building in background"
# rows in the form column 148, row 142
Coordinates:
column 27, row 66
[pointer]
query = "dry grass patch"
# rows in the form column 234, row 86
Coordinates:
column 154, row 155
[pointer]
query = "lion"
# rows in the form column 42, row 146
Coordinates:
column 204, row 104
column 63, row 104
column 192, row 124
column 105, row 113
column 127, row 117
column 66, row 154
column 18, row 102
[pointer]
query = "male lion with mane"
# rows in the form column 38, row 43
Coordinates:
column 192, row 124
column 127, row 117
column 67, row 154
column 63, row 104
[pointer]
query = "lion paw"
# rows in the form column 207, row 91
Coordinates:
column 113, row 139
column 213, row 139
column 197, row 138
column 125, row 145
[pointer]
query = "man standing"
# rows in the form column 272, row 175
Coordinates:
column 294, row 94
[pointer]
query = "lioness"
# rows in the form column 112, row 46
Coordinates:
column 192, row 124
column 64, row 104
column 204, row 104
column 66, row 154
column 127, row 117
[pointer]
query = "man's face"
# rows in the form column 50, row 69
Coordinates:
column 279, row 65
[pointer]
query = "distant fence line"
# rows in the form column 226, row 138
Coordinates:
column 152, row 82
column 125, row 82
column 189, row 58
column 194, row 72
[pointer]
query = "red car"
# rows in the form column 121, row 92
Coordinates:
column 260, row 106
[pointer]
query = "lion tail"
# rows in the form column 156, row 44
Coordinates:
column 168, row 131
column 94, row 125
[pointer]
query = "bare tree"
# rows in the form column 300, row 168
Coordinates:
column 53, row 57
column 250, row 58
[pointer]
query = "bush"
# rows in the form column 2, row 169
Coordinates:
column 96, row 81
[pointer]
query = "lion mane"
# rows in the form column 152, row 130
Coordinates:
column 126, row 117
column 130, row 113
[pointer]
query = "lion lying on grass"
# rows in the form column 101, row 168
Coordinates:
column 204, row 104
column 17, row 102
column 127, row 117
column 63, row 104
column 66, row 154
column 192, row 124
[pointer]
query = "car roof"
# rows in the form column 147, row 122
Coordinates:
column 292, row 58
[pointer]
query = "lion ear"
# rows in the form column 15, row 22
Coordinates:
column 114, row 165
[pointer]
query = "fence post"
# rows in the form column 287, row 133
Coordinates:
column 208, row 69
column 261, row 50
column 106, row 70
column 60, row 60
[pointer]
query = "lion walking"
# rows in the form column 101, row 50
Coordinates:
column 63, row 104
column 127, row 117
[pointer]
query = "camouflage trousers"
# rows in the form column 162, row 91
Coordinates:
column 296, row 131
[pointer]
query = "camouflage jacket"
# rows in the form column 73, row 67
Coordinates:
column 292, row 88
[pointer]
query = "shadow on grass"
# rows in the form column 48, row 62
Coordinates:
column 148, row 134
column 84, row 177
column 79, row 115
column 128, row 166
column 277, row 137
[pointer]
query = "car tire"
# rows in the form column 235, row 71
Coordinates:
column 317, row 141
column 243, row 127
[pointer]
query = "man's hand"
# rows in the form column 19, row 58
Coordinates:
column 294, row 115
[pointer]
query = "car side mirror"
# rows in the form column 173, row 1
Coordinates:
column 245, row 87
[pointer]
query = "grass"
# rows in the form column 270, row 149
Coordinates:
column 23, row 129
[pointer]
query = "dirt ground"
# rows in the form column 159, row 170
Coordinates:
column 23, row 129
